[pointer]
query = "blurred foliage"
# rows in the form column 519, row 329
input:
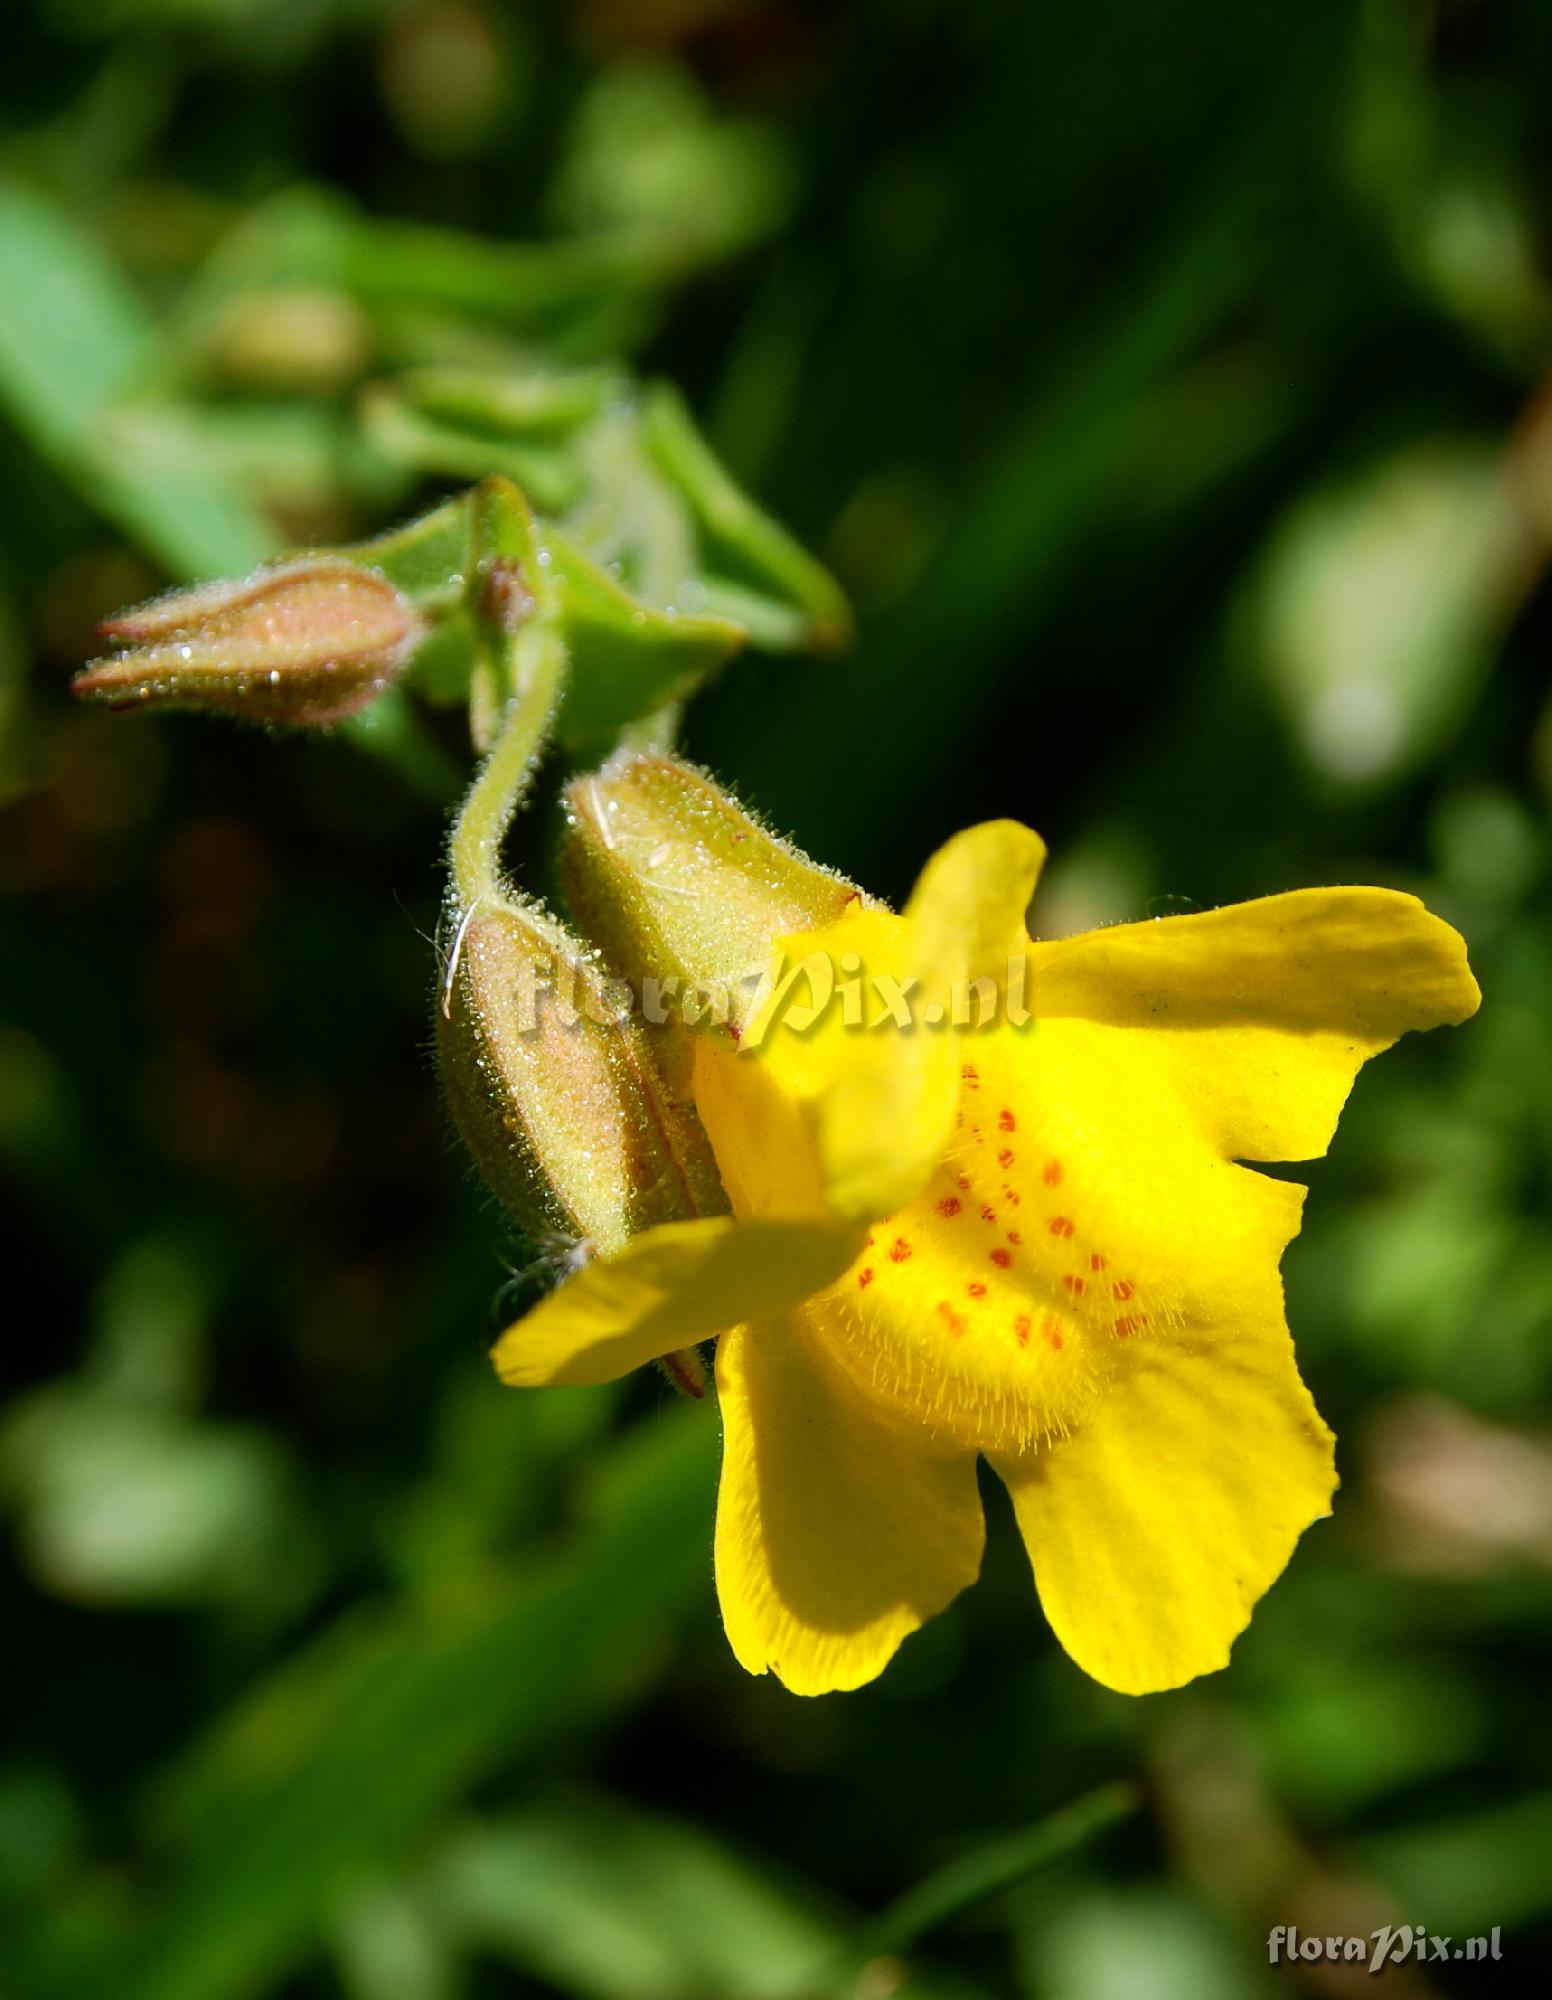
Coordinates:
column 1167, row 387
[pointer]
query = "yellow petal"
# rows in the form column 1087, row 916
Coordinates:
column 838, row 1532
column 1079, row 1212
column 891, row 1110
column 1155, row 1528
column 1266, row 1010
column 968, row 906
column 843, row 1087
column 777, row 1103
column 667, row 1289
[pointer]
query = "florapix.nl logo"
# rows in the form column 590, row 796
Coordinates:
column 1391, row 1944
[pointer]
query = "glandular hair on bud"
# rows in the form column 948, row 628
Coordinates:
column 301, row 644
column 676, row 882
column 554, row 1088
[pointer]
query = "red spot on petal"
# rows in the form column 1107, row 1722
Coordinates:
column 950, row 1205
column 1053, row 1173
column 1002, row 1259
column 1124, row 1326
column 1051, row 1333
column 1124, row 1290
column 963, row 1179
column 899, row 1250
column 1006, row 1157
column 1074, row 1285
column 955, row 1322
column 976, row 1290
column 865, row 1278
column 1096, row 1262
column 988, row 1215
column 1007, row 1121
column 1014, row 1237
column 1061, row 1225
column 1021, row 1328
column 971, row 1076
column 1012, row 1196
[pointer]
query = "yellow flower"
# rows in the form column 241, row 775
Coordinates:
column 1034, row 1243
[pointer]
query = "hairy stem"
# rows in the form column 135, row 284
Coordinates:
column 538, row 662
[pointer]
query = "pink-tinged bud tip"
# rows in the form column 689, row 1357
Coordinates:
column 303, row 644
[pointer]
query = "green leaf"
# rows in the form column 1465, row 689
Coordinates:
column 741, row 543
column 338, row 1763
column 453, row 448
column 543, row 403
column 76, row 348
column 425, row 557
column 993, row 1868
column 610, row 1904
column 628, row 659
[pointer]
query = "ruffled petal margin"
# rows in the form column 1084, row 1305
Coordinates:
column 1154, row 1529
column 1266, row 1011
column 838, row 1531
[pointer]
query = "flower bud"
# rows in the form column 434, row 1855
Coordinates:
column 305, row 643
column 555, row 1091
column 682, row 889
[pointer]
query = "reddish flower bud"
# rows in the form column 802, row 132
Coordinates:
column 305, row 643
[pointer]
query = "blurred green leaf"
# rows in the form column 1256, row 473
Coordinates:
column 1472, row 1871
column 610, row 1904
column 348, row 1755
column 1383, row 602
column 76, row 352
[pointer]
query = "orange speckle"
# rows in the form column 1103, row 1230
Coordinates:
column 976, row 1289
column 1053, row 1173
column 1021, row 1329
column 1051, row 1333
column 955, row 1322
column 1074, row 1285
column 971, row 1076
column 1014, row 1237
column 1097, row 1263
column 865, row 1277
column 1124, row 1326
column 963, row 1179
column 950, row 1205
column 1012, row 1196
column 1006, row 1120
column 988, row 1215
column 1123, row 1291
column 1002, row 1259
column 1061, row 1225
column 899, row 1250
column 1006, row 1157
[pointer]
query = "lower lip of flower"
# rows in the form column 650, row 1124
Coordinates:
column 985, row 1310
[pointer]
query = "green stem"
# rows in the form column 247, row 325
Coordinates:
column 538, row 658
column 998, row 1866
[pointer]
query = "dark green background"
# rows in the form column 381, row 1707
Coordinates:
column 1162, row 383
